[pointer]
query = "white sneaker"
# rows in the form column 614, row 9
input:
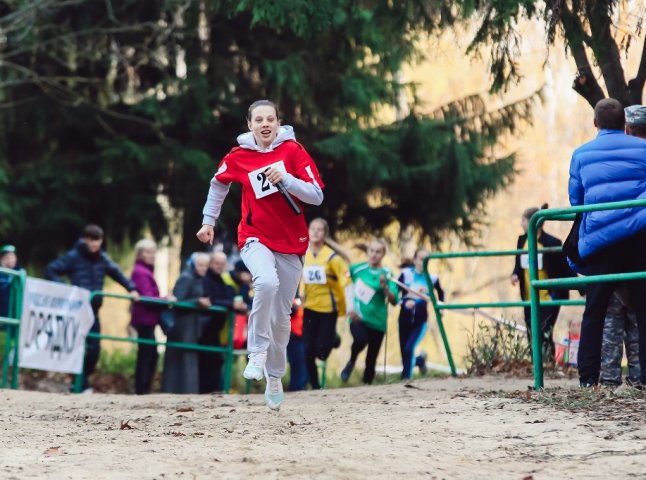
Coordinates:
column 274, row 395
column 255, row 369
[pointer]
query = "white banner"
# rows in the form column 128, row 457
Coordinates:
column 56, row 318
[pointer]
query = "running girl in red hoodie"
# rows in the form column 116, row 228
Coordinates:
column 272, row 238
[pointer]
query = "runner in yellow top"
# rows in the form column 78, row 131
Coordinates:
column 324, row 280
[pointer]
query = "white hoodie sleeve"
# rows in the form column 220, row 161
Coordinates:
column 217, row 193
column 306, row 192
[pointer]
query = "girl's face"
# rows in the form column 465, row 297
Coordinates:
column 264, row 125
column 376, row 252
column 201, row 266
column 418, row 261
column 524, row 222
column 317, row 232
column 147, row 255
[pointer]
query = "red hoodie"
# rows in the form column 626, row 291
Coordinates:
column 265, row 213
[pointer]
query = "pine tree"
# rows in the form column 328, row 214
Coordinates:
column 105, row 105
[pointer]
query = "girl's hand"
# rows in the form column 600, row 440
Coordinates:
column 205, row 234
column 274, row 176
column 354, row 316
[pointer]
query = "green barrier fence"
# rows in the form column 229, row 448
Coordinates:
column 536, row 285
column 227, row 350
column 440, row 307
column 12, row 324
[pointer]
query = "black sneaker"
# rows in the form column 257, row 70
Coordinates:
column 420, row 361
column 587, row 384
column 347, row 371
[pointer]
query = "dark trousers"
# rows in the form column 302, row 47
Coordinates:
column 547, row 320
column 211, row 363
column 296, row 359
column 92, row 352
column 625, row 256
column 411, row 331
column 147, row 356
column 319, row 334
column 365, row 336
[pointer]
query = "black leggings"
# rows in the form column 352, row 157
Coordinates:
column 146, row 366
column 319, row 334
column 547, row 320
column 364, row 335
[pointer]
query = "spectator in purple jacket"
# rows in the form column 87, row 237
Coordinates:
column 145, row 316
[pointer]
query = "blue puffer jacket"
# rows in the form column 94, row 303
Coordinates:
column 87, row 270
column 610, row 168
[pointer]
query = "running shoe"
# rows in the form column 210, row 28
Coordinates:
column 347, row 371
column 274, row 395
column 255, row 369
column 420, row 361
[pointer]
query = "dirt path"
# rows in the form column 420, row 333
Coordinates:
column 438, row 429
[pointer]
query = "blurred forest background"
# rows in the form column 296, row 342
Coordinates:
column 432, row 122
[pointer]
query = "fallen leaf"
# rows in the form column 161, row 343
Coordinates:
column 184, row 409
column 198, row 433
column 178, row 424
column 52, row 451
column 125, row 425
column 178, row 434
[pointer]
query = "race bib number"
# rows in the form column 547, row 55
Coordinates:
column 314, row 275
column 363, row 292
column 524, row 261
column 261, row 186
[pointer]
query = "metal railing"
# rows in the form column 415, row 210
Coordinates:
column 227, row 350
column 13, row 331
column 575, row 282
column 12, row 323
column 474, row 306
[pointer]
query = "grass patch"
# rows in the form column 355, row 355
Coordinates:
column 497, row 349
column 602, row 403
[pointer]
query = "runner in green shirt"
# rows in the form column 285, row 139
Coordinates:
column 372, row 288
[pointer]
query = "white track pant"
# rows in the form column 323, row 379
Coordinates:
column 275, row 281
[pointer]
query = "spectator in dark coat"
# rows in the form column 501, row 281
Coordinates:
column 222, row 294
column 550, row 265
column 181, row 366
column 86, row 265
column 145, row 316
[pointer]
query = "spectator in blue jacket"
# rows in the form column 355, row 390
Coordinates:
column 86, row 266
column 610, row 168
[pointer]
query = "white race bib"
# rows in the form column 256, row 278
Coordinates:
column 261, row 186
column 363, row 292
column 524, row 261
column 314, row 275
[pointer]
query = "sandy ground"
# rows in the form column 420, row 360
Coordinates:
column 437, row 429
